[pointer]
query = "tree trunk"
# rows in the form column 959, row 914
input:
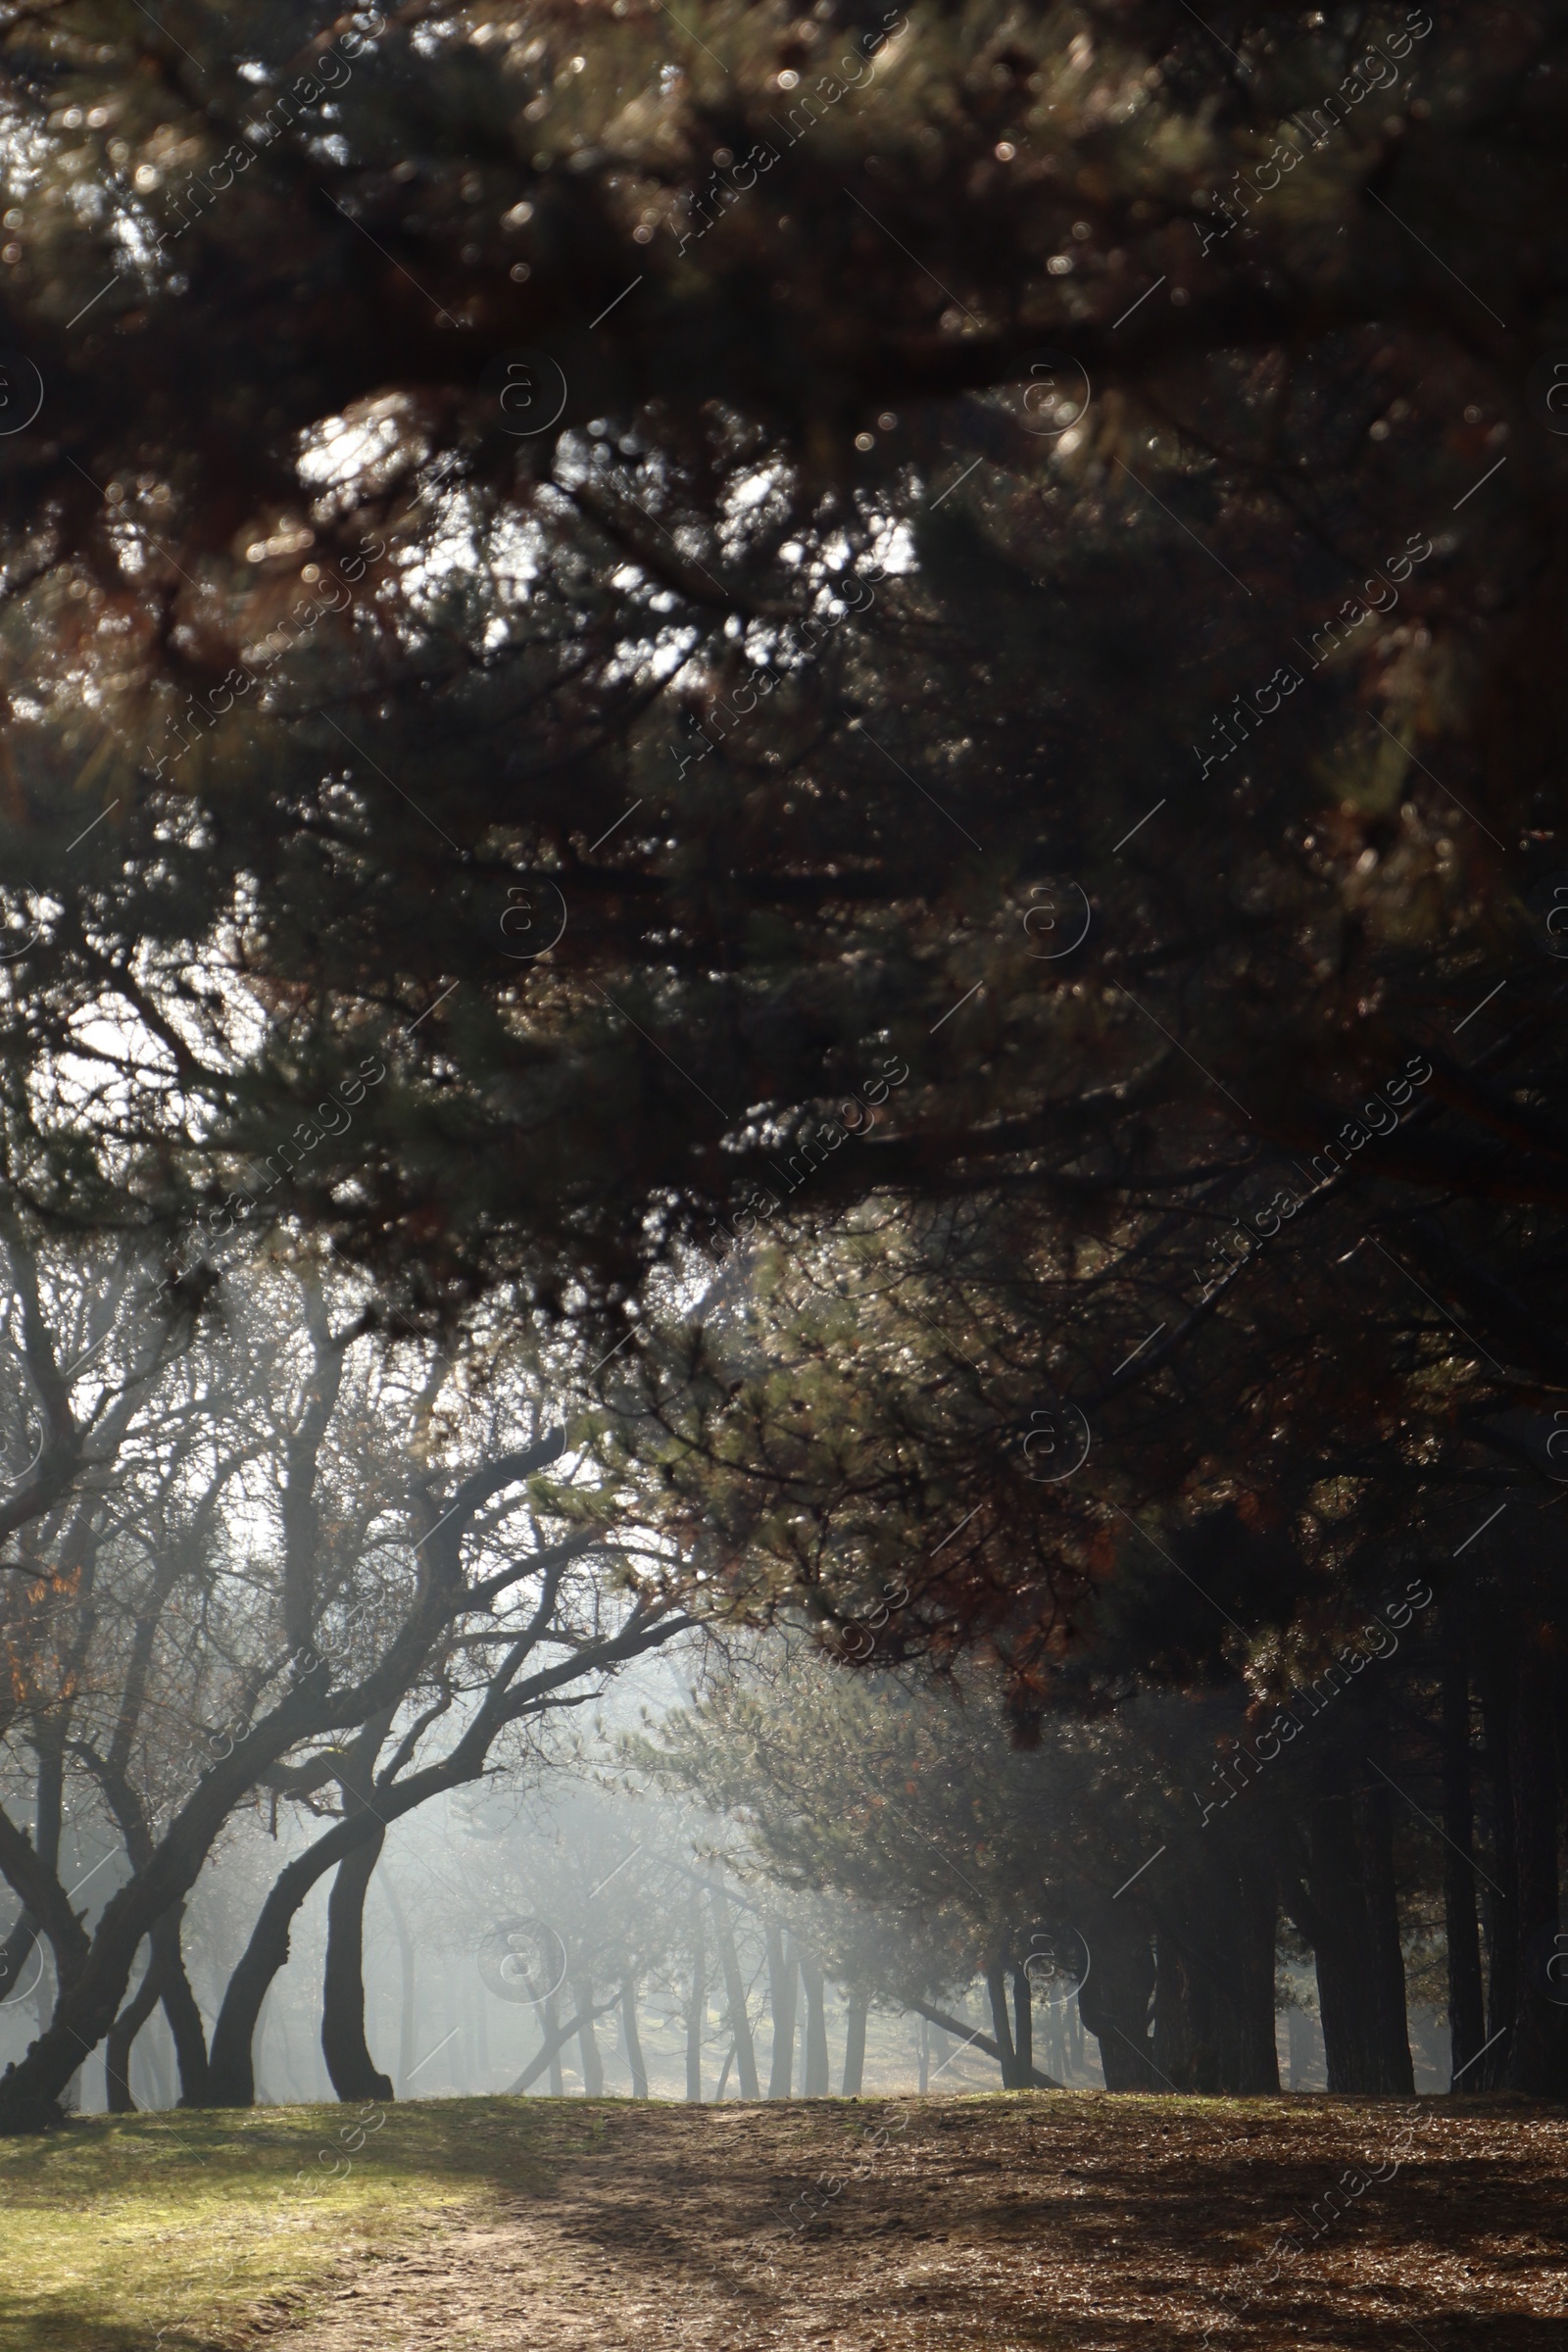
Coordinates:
column 556, row 2039
column 1183, row 2050
column 817, row 2079
column 94, row 1988
column 966, row 2037
column 16, row 1952
column 593, row 2069
column 855, row 2043
column 353, row 2072
column 1466, row 1999
column 181, row 2008
column 1332, row 1903
column 1390, row 2014
column 630, row 2038
column 1113, row 2000
column 1499, row 1910
column 1257, row 2068
column 697, row 2014
column 123, row 2033
column 735, row 1996
column 781, row 2001
column 231, row 2074
column 1023, row 2025
column 1002, row 2026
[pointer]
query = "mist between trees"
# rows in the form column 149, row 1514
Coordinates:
column 301, row 1616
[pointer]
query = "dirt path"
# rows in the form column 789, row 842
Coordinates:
column 1094, row 2224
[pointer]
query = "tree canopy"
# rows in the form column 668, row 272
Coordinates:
column 782, row 671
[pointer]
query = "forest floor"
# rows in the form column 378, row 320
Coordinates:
column 1067, row 2219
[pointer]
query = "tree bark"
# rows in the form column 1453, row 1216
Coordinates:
column 231, row 2074
column 16, row 1952
column 351, row 2069
column 181, row 2008
column 735, row 1995
column 1499, row 1910
column 1000, row 2025
column 1467, row 2031
column 781, row 2001
column 1390, row 2014
column 855, row 2043
column 1182, row 2047
column 1113, row 2000
column 1331, row 1901
column 1023, row 2025
column 630, row 2038
column 123, row 2033
column 818, row 2081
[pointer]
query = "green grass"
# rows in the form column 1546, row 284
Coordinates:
column 186, row 2231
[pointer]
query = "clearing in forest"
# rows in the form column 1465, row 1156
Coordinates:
column 1055, row 2218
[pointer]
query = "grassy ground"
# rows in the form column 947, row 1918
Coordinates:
column 212, row 2229
column 1071, row 2220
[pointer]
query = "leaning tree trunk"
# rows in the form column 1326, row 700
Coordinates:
column 16, row 1952
column 965, row 2037
column 32, row 2089
column 353, row 2072
column 166, row 1981
column 817, row 2079
column 557, row 2036
column 123, row 2032
column 781, row 1975
column 181, row 2008
column 232, row 2070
